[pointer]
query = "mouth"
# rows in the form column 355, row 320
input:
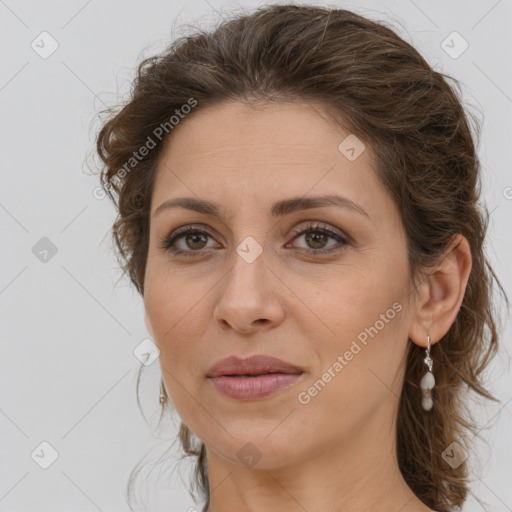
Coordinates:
column 252, row 378
column 253, row 387
column 247, row 376
column 250, row 375
column 253, row 366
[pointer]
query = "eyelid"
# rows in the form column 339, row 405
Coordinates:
column 311, row 224
column 320, row 225
column 166, row 240
column 343, row 239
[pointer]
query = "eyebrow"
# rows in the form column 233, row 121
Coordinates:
column 279, row 209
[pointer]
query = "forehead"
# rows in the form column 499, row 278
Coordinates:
column 267, row 129
column 235, row 152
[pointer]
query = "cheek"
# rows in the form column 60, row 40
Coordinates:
column 174, row 310
column 353, row 300
column 171, row 299
column 360, row 367
column 366, row 316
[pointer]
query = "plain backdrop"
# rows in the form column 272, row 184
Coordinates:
column 70, row 328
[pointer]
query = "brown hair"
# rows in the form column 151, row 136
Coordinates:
column 380, row 87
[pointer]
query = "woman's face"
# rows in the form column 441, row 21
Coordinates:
column 254, row 281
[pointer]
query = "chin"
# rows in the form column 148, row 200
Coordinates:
column 257, row 449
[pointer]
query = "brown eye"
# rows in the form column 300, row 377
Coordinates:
column 316, row 237
column 193, row 240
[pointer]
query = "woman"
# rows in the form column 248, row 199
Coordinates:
column 298, row 207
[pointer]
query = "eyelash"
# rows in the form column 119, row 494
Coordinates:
column 168, row 242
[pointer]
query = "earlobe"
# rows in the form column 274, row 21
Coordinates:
column 442, row 293
column 149, row 327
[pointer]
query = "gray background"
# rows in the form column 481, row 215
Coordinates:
column 69, row 326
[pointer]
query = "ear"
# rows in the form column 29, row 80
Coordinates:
column 149, row 327
column 440, row 294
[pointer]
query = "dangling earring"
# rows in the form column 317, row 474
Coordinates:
column 163, row 395
column 427, row 381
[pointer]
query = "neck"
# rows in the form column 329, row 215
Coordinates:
column 360, row 472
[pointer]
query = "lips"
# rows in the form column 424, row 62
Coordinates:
column 252, row 366
column 253, row 378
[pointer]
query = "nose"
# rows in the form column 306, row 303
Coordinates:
column 247, row 298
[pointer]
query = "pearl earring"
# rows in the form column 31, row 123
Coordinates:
column 163, row 396
column 427, row 381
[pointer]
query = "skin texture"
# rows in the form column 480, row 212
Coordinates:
column 337, row 452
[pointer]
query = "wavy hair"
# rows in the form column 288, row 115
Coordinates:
column 424, row 142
